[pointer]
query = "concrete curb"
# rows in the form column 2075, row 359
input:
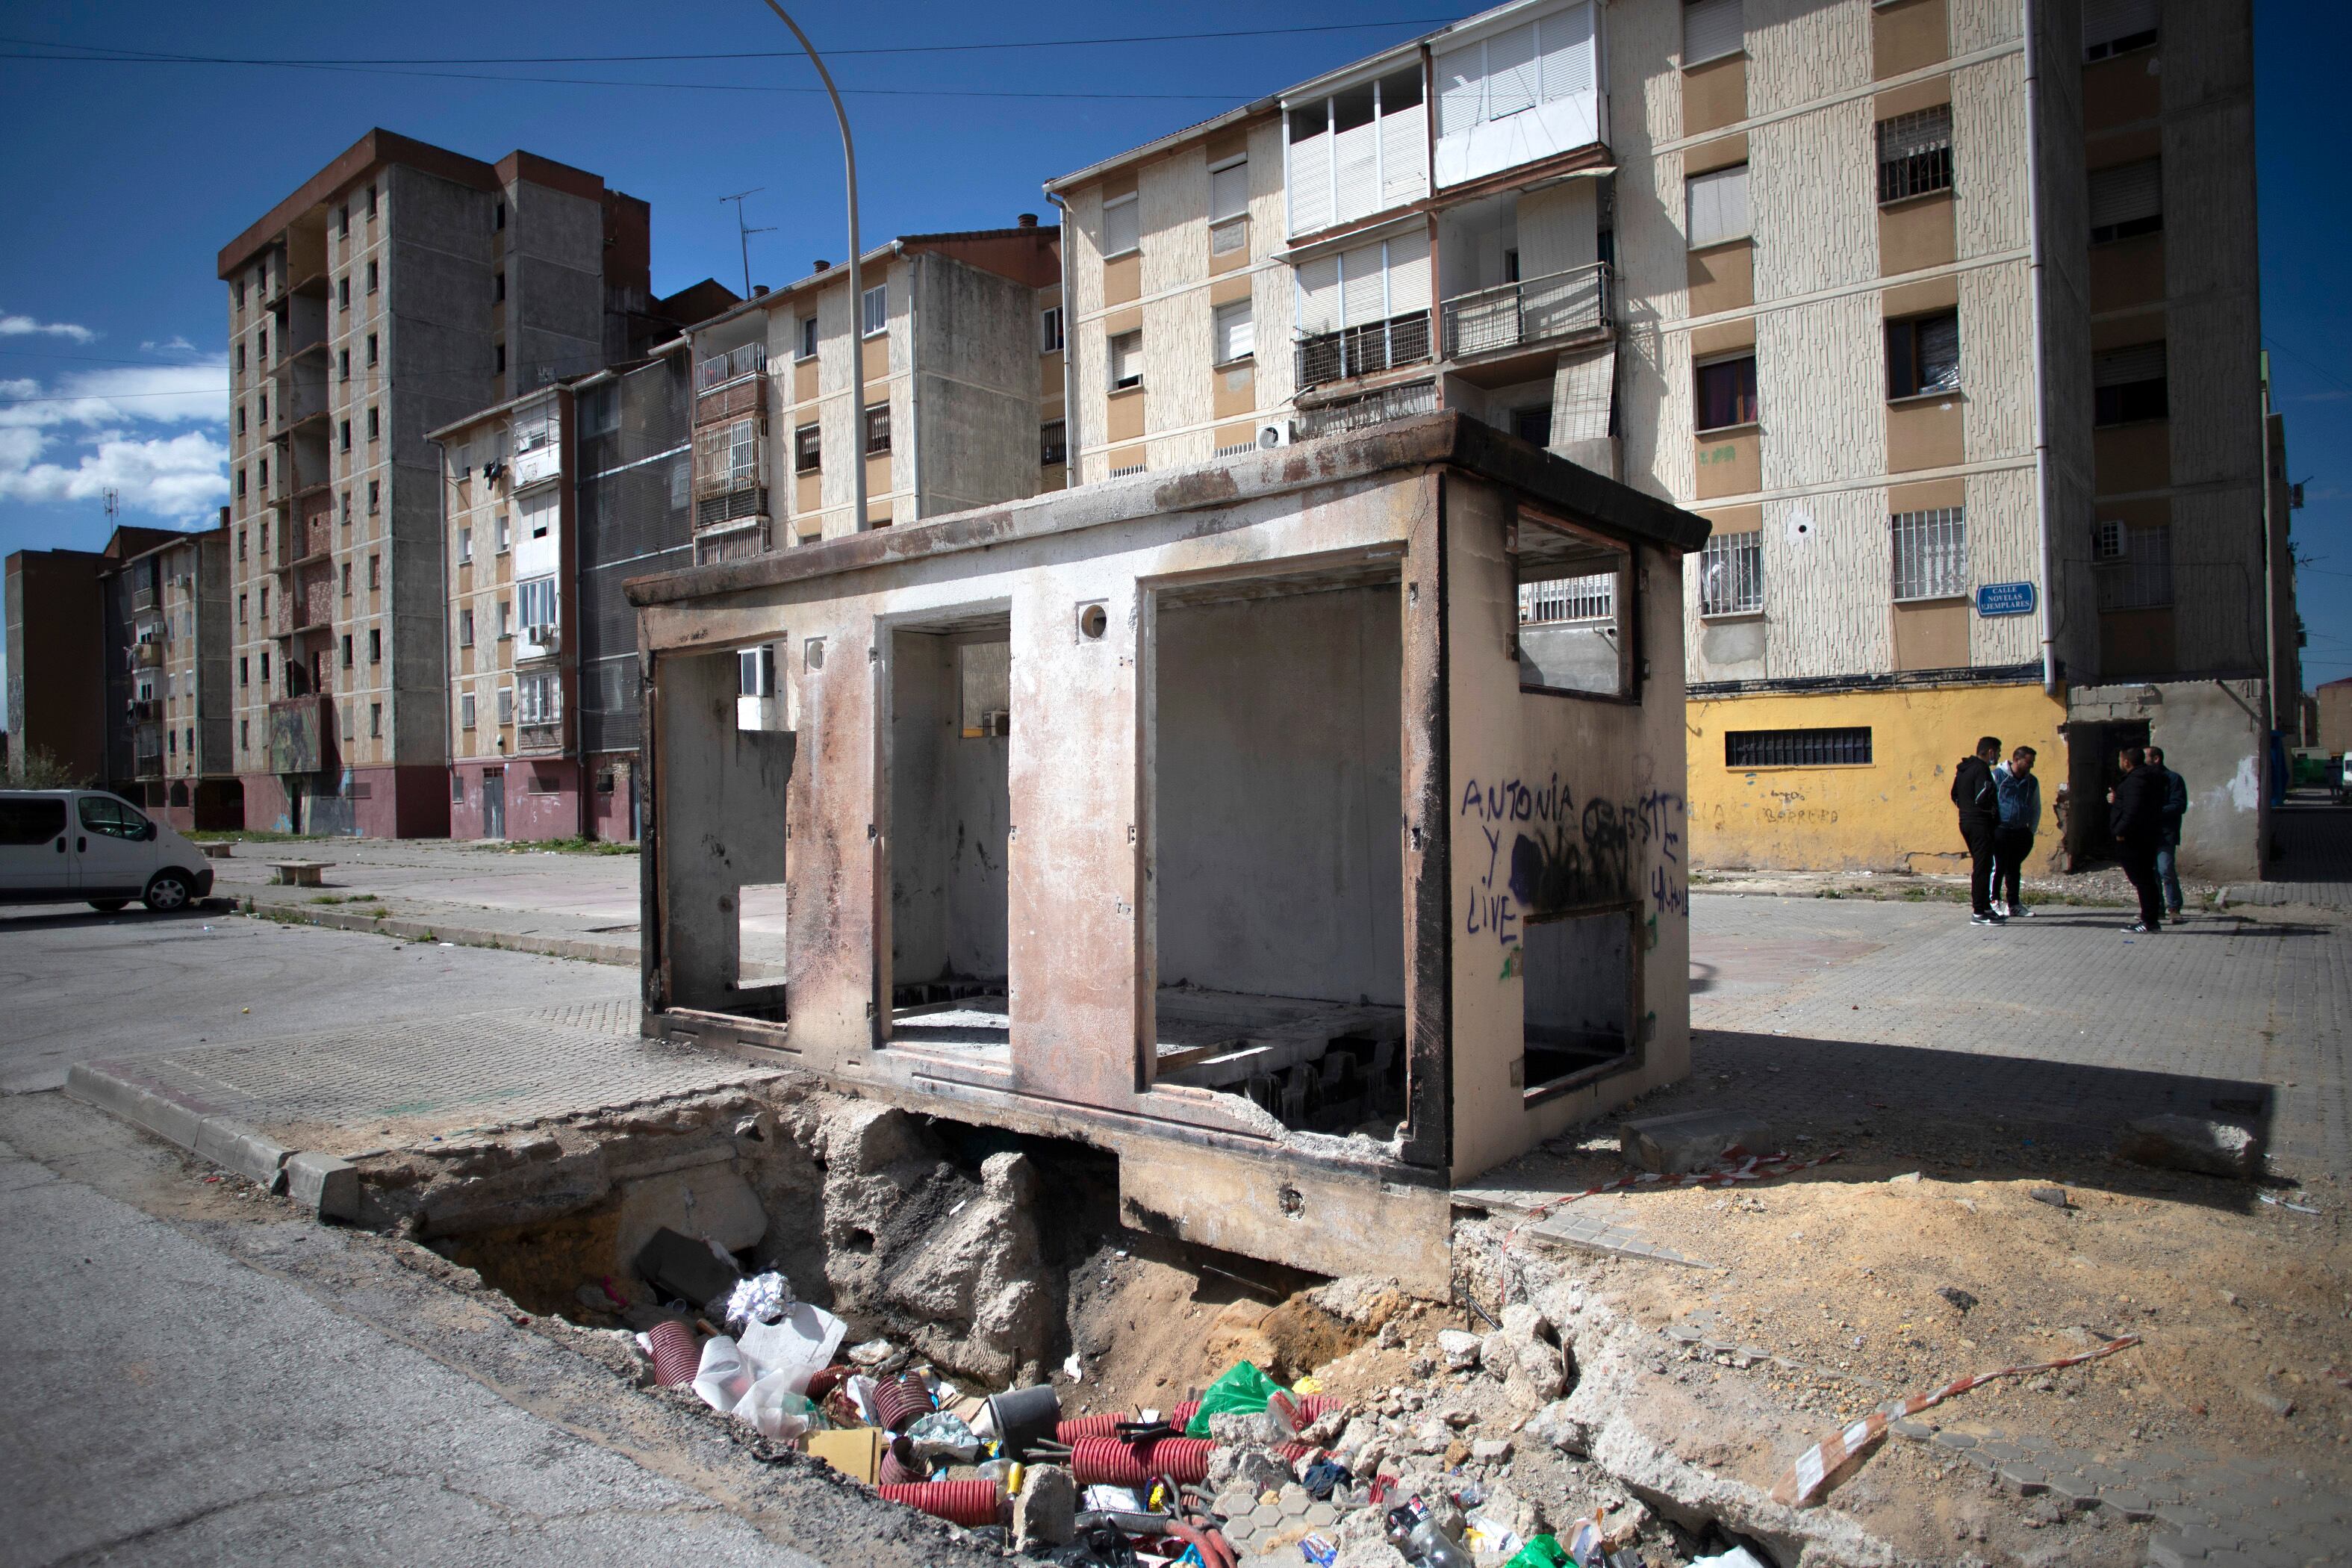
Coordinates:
column 409, row 928
column 118, row 1088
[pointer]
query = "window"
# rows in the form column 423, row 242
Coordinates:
column 347, row 579
column 172, row 741
column 505, row 705
column 2127, row 200
column 539, row 512
column 239, row 288
column 375, row 721
column 1122, row 216
column 240, row 544
column 1049, row 329
column 263, row 479
column 371, row 349
column 458, row 780
column 1570, row 633
column 1726, row 392
column 600, row 410
column 374, row 424
column 1931, row 555
column 874, row 310
column 1731, row 574
column 1229, row 190
column 240, row 418
column 535, row 426
column 755, row 671
column 465, row 546
column 347, row 650
column 1054, row 442
column 2116, row 26
column 261, row 347
column 535, row 603
column 1922, row 355
column 2129, row 384
column 498, row 288
column 343, row 434
column 877, row 430
column 504, row 532
column 371, row 277
column 347, row 509
column 1366, row 148
column 1715, row 206
column 375, row 495
column 1711, row 29
column 1533, row 424
column 375, row 573
column 1126, row 360
column 807, row 339
column 1232, row 330
column 1797, row 748
column 265, row 667
column 505, row 618
column 2135, row 565
column 808, row 450
column 240, row 359
column 604, row 779
column 245, row 734
column 465, row 711
column 1915, row 153
column 539, row 698
column 466, row 628
column 105, row 814
column 371, row 201
column 375, row 645
column 30, row 819
column 240, row 482
column 343, row 364
column 726, row 457
column 343, row 292
column 498, row 217
column 244, row 670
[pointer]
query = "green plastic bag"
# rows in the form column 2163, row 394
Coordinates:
column 1543, row 1551
column 1244, row 1389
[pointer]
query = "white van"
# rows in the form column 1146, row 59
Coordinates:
column 85, row 845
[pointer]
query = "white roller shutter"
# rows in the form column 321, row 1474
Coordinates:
column 1717, row 205
column 2125, row 194
column 1404, row 155
column 2125, row 367
column 2108, row 21
column 1229, row 191
column 1319, row 294
column 1564, row 54
column 1712, row 29
column 1408, row 274
column 1512, row 79
column 1363, row 285
column 1121, row 230
column 1310, row 182
column 1461, row 88
column 1356, row 191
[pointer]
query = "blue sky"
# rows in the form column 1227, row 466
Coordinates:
column 127, row 177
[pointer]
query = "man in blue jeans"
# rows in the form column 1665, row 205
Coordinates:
column 2168, row 853
column 2012, row 837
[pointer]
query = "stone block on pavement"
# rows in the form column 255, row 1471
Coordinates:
column 324, row 1184
column 2191, row 1143
column 1691, row 1139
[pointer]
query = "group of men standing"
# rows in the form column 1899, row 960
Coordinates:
column 2000, row 813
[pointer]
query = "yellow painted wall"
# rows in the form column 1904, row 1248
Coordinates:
column 1894, row 814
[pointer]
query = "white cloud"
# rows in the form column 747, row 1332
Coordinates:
column 15, row 326
column 174, row 344
column 71, row 439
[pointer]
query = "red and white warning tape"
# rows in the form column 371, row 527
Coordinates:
column 1817, row 1464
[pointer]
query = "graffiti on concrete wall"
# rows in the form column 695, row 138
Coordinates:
column 1547, row 854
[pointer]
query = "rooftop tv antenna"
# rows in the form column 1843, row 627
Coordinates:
column 743, row 236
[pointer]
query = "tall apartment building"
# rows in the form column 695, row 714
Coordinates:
column 170, row 699
column 1943, row 312
column 56, row 628
column 400, row 288
column 959, row 335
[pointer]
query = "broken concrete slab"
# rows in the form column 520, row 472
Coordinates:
column 710, row 1202
column 1045, row 1513
column 2191, row 1143
column 1692, row 1141
column 324, row 1184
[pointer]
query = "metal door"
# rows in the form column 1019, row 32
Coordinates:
column 494, row 803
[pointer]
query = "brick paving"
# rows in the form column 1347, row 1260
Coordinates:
column 346, row 1090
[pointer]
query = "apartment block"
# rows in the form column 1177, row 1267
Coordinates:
column 170, row 696
column 400, row 288
column 1950, row 330
column 960, row 339
column 56, row 639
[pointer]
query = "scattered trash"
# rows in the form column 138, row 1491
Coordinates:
column 1543, row 1551
column 763, row 1297
column 675, row 1355
column 1022, row 1418
column 2191, row 1143
column 942, row 1435
column 797, row 1346
column 722, row 1378
column 1319, row 1551
column 968, row 1503
column 2276, row 1201
column 1242, row 1390
column 2054, row 1196
column 1737, row 1557
column 1073, row 1368
column 1957, row 1297
column 857, row 1453
column 872, row 1353
column 683, row 1268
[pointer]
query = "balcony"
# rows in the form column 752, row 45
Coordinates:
column 146, row 709
column 147, row 654
column 733, row 399
column 147, row 765
column 735, row 541
column 1372, row 409
column 539, row 738
column 1367, row 349
column 729, row 458
column 1533, row 312
column 301, row 734
column 300, row 393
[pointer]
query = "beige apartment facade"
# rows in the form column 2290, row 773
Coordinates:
column 170, row 696
column 400, row 288
column 1950, row 330
column 960, row 340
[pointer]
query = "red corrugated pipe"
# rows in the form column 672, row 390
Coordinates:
column 676, row 1352
column 1080, row 1428
column 1107, row 1462
column 972, row 1504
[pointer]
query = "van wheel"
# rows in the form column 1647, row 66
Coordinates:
column 107, row 906
column 167, row 891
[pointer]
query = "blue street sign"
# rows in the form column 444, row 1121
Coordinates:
column 2004, row 598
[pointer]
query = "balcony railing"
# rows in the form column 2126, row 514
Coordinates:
column 148, row 765
column 736, row 541
column 1372, row 409
column 1367, row 349
column 538, row 737
column 747, row 394
column 1558, row 306
column 146, row 709
column 146, row 656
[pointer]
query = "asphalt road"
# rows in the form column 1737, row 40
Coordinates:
column 80, row 985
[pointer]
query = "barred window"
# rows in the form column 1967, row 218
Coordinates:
column 877, row 430
column 1593, row 598
column 1731, row 574
column 1915, row 153
column 808, row 450
column 2135, row 565
column 1797, row 748
column 1931, row 553
column 1053, row 442
column 1572, row 622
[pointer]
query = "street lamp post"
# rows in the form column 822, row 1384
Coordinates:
column 856, row 280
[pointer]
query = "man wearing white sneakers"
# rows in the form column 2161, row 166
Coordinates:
column 2012, row 836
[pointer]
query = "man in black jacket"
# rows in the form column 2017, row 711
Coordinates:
column 1978, row 798
column 2135, row 821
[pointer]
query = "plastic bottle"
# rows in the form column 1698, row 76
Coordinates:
column 1432, row 1548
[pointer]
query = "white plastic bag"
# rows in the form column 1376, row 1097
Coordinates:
column 722, row 1379
column 777, row 1409
column 798, row 1346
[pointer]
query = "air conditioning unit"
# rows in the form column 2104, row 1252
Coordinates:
column 1275, row 432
